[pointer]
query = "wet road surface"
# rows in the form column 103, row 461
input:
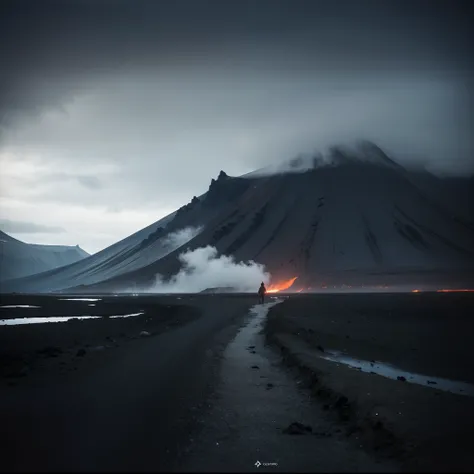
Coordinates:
column 255, row 401
column 196, row 398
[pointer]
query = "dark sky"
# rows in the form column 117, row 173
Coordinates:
column 114, row 113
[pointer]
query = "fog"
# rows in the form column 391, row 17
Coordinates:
column 176, row 239
column 358, row 151
column 204, row 268
column 114, row 114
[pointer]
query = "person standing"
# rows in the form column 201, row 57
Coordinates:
column 261, row 293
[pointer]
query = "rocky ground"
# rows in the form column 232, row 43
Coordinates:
column 31, row 352
column 103, row 395
column 189, row 384
column 424, row 427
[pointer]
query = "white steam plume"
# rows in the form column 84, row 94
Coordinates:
column 203, row 268
column 176, row 239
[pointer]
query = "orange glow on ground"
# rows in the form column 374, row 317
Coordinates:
column 282, row 286
column 463, row 290
column 454, row 290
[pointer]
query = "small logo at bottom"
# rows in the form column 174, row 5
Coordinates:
column 258, row 464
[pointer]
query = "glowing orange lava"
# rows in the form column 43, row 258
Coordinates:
column 282, row 286
column 453, row 290
column 463, row 290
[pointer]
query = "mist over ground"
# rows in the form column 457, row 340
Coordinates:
column 204, row 268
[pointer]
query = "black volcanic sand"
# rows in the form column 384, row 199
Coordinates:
column 130, row 406
column 425, row 333
column 46, row 349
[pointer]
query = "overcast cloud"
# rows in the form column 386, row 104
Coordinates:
column 18, row 227
column 114, row 113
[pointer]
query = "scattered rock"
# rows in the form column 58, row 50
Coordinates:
column 255, row 367
column 341, row 402
column 251, row 347
column 378, row 425
column 322, row 434
column 144, row 334
column 98, row 348
column 351, row 430
column 320, row 348
column 401, row 378
column 81, row 353
column 375, row 373
column 23, row 372
column 297, row 428
column 431, row 382
column 269, row 386
column 50, row 351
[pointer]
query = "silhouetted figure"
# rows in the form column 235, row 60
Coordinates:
column 261, row 293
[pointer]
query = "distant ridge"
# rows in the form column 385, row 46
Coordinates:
column 349, row 213
column 19, row 259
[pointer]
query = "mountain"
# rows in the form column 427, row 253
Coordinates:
column 19, row 259
column 350, row 215
column 140, row 249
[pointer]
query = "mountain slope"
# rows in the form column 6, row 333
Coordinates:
column 18, row 259
column 353, row 214
column 334, row 220
column 142, row 248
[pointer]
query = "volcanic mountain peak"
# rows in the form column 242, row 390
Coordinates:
column 349, row 211
column 360, row 152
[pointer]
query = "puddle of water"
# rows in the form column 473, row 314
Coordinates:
column 392, row 372
column 255, row 401
column 126, row 315
column 20, row 306
column 237, row 349
column 92, row 304
column 57, row 319
column 80, row 299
